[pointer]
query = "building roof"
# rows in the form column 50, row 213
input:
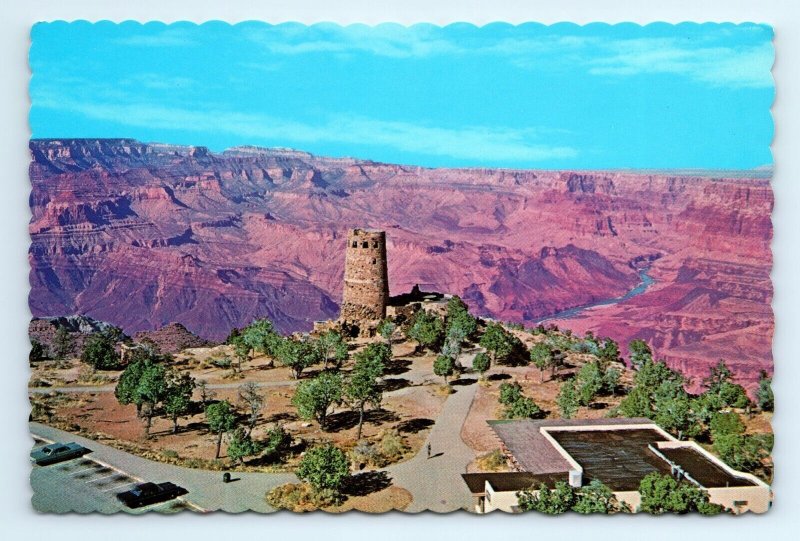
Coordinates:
column 510, row 481
column 618, row 458
column 619, row 452
column 703, row 470
column 415, row 295
column 533, row 452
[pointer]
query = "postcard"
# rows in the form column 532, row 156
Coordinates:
column 419, row 268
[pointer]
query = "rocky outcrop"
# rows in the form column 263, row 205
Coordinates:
column 143, row 235
column 78, row 327
column 171, row 338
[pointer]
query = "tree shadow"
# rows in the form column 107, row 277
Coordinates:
column 311, row 373
column 363, row 484
column 463, row 382
column 543, row 413
column 395, row 384
column 412, row 426
column 498, row 377
column 282, row 416
column 192, row 426
column 276, row 457
column 349, row 419
column 396, row 367
column 562, row 376
column 197, row 406
column 598, row 406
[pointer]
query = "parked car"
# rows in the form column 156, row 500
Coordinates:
column 150, row 493
column 57, row 452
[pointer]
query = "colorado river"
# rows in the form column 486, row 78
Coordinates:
column 644, row 284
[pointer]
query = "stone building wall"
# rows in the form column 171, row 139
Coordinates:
column 366, row 281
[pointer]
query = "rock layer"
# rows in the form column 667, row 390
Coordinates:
column 143, row 235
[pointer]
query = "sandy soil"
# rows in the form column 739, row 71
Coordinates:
column 408, row 407
column 758, row 423
column 200, row 363
column 383, row 501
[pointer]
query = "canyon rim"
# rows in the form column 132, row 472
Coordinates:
column 164, row 234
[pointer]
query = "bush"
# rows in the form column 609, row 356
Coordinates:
column 517, row 406
column 222, row 362
column 427, row 329
column 366, row 454
column 90, row 376
column 277, row 441
column 37, row 352
column 585, row 346
column 510, row 393
column 481, row 363
column 726, row 422
column 523, row 408
column 99, row 353
column 764, row 396
column 734, row 395
column 494, row 461
column 301, row 498
column 392, row 446
column 325, row 467
column 388, row 449
column 743, row 451
column 589, row 382
column 444, row 366
column 663, row 494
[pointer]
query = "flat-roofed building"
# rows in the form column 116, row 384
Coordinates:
column 619, row 452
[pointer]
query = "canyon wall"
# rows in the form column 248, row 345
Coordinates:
column 142, row 235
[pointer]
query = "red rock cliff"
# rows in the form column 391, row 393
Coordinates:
column 143, row 235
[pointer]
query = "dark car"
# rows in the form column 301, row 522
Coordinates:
column 150, row 493
column 57, row 452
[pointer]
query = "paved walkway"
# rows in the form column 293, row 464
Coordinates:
column 435, row 483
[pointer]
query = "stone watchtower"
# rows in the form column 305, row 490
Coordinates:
column 366, row 280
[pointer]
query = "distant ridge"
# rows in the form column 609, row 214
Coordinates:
column 761, row 172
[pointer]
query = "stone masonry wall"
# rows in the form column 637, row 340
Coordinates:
column 366, row 281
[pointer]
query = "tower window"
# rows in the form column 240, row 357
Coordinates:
column 365, row 244
column 355, row 244
column 374, row 243
column 374, row 261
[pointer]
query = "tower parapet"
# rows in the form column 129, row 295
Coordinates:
column 366, row 279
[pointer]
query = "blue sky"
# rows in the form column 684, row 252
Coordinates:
column 529, row 96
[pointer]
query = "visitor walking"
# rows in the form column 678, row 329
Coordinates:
column 429, row 450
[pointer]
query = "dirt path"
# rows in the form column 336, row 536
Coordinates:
column 110, row 388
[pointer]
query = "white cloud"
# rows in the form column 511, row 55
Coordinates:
column 170, row 37
column 719, row 66
column 156, row 81
column 701, row 60
column 388, row 40
column 474, row 142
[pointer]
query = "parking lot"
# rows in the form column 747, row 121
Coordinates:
column 86, row 485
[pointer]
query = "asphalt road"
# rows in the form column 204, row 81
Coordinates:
column 207, row 492
column 85, row 485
